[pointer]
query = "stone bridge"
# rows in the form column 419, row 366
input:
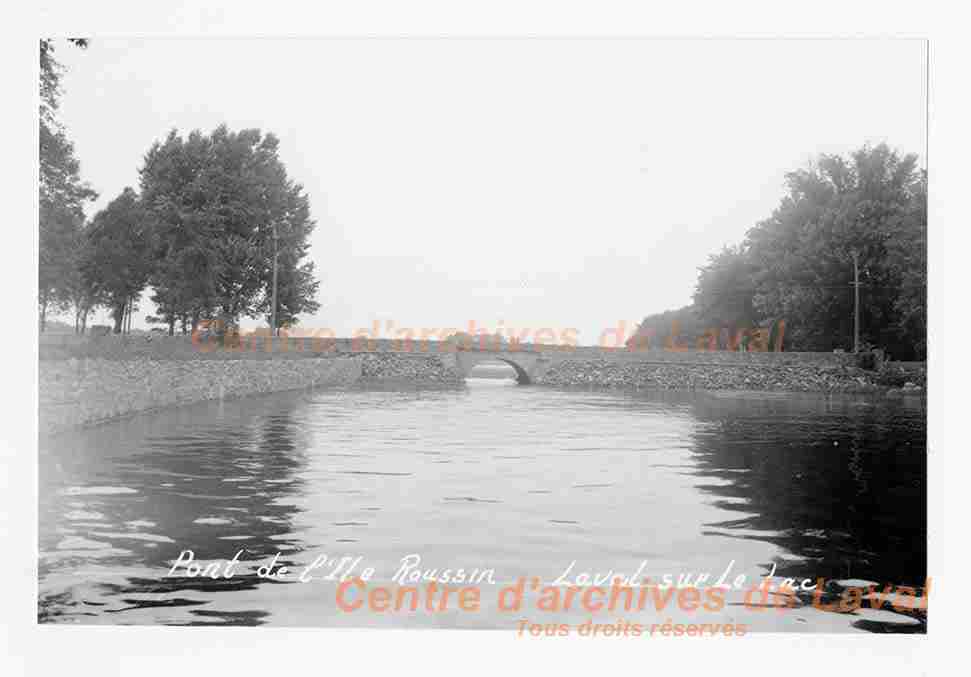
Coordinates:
column 541, row 364
column 440, row 362
column 529, row 366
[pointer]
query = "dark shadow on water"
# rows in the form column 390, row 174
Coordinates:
column 840, row 483
column 225, row 487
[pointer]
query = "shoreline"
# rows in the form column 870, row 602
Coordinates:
column 78, row 393
column 89, row 380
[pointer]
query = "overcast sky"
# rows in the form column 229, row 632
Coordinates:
column 537, row 183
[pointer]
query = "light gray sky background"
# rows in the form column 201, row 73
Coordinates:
column 533, row 183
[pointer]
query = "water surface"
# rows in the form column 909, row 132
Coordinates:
column 493, row 478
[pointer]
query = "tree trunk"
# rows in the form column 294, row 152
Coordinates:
column 171, row 325
column 118, row 315
column 82, row 309
column 43, row 312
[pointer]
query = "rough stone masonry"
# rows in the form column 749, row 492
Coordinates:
column 86, row 380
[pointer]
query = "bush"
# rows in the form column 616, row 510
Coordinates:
column 892, row 376
column 866, row 361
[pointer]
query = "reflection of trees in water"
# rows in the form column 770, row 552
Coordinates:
column 214, row 489
column 239, row 483
column 840, row 486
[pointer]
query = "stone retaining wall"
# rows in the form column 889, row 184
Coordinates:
column 85, row 380
column 440, row 369
column 792, row 377
column 77, row 392
column 160, row 346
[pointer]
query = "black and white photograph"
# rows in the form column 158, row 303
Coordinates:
column 618, row 338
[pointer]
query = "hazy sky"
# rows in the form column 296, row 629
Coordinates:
column 538, row 183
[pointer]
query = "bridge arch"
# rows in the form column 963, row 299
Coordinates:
column 523, row 364
column 522, row 376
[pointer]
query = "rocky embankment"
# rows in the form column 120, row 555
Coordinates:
column 411, row 368
column 791, row 378
column 91, row 381
column 79, row 391
column 76, row 392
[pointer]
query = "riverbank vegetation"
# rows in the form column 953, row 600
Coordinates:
column 212, row 214
column 797, row 264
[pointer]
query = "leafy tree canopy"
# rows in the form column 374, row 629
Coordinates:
column 220, row 205
column 797, row 264
column 62, row 192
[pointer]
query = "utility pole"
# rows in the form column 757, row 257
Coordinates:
column 276, row 254
column 856, row 301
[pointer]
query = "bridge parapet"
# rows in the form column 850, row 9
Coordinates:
column 527, row 356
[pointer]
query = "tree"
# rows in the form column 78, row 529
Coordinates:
column 907, row 254
column 60, row 183
column 866, row 205
column 82, row 292
column 118, row 262
column 62, row 193
column 296, row 295
column 214, row 202
column 296, row 284
column 796, row 266
column 679, row 329
column 725, row 289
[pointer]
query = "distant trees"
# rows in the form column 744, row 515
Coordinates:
column 797, row 264
column 670, row 329
column 725, row 292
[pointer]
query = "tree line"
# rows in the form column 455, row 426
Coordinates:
column 211, row 214
column 797, row 265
